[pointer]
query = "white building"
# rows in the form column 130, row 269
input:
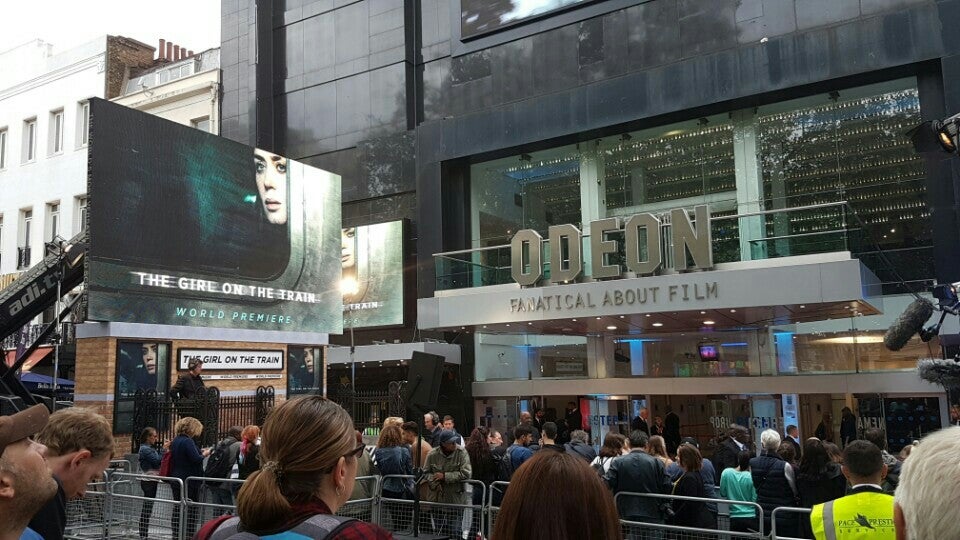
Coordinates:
column 186, row 91
column 43, row 142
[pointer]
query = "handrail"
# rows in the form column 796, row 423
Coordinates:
column 800, row 235
column 781, row 210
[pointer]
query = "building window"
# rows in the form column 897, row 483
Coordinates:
column 56, row 132
column 82, row 213
column 29, row 140
column 83, row 123
column 203, row 123
column 53, row 218
column 3, row 148
column 23, row 252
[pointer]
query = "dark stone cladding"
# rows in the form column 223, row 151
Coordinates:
column 381, row 92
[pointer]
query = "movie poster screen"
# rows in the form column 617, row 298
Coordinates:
column 143, row 366
column 371, row 256
column 190, row 229
column 304, row 370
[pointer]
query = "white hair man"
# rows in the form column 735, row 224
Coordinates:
column 926, row 501
column 776, row 484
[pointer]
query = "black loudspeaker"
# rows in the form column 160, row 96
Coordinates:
column 423, row 381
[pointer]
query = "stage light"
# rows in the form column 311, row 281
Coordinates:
column 936, row 136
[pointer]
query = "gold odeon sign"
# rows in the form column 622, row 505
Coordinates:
column 640, row 230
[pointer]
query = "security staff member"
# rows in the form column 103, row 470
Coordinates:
column 867, row 513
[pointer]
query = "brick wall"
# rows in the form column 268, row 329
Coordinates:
column 96, row 374
column 124, row 54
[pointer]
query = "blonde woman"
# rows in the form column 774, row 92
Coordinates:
column 186, row 460
column 657, row 448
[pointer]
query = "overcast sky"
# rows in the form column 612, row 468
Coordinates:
column 194, row 24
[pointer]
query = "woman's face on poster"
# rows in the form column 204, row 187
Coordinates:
column 348, row 248
column 272, row 185
column 149, row 351
column 308, row 360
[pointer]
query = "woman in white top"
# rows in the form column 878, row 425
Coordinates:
column 614, row 445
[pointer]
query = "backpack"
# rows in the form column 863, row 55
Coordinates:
column 504, row 465
column 598, row 466
column 218, row 464
column 166, row 463
column 317, row 527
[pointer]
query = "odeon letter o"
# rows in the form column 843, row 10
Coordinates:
column 526, row 264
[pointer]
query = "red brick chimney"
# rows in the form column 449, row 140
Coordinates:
column 169, row 55
column 162, row 50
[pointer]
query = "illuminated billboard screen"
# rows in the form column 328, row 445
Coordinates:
column 479, row 17
column 372, row 259
column 190, row 229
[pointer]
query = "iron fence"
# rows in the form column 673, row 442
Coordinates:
column 128, row 505
column 369, row 408
column 217, row 413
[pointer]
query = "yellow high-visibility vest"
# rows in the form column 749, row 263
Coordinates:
column 867, row 515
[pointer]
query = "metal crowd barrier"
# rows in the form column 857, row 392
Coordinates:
column 127, row 505
column 363, row 508
column 497, row 491
column 637, row 529
column 785, row 522
column 87, row 517
column 145, row 506
column 457, row 520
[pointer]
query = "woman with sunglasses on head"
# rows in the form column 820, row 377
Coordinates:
column 308, row 464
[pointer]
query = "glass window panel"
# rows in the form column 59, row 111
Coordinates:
column 850, row 146
column 670, row 166
column 525, row 192
column 510, row 357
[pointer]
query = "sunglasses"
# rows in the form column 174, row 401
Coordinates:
column 357, row 452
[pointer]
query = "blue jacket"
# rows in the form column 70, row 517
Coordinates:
column 395, row 460
column 518, row 454
column 187, row 459
column 149, row 458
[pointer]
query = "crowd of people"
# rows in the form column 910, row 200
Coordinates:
column 301, row 468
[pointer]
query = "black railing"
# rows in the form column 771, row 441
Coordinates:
column 23, row 257
column 67, row 334
column 217, row 413
column 369, row 408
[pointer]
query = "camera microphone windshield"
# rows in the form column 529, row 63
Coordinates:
column 943, row 372
column 907, row 324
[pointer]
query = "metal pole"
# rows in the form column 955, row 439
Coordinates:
column 353, row 364
column 57, row 334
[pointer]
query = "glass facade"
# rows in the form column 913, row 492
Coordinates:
column 838, row 165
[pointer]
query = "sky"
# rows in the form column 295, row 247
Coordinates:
column 194, row 24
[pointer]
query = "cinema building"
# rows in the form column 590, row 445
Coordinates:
column 481, row 123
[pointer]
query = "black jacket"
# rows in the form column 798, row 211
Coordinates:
column 848, row 429
column 50, row 521
column 671, row 431
column 725, row 457
column 574, row 420
column 187, row 386
column 813, row 489
column 692, row 513
column 639, row 424
column 638, row 472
